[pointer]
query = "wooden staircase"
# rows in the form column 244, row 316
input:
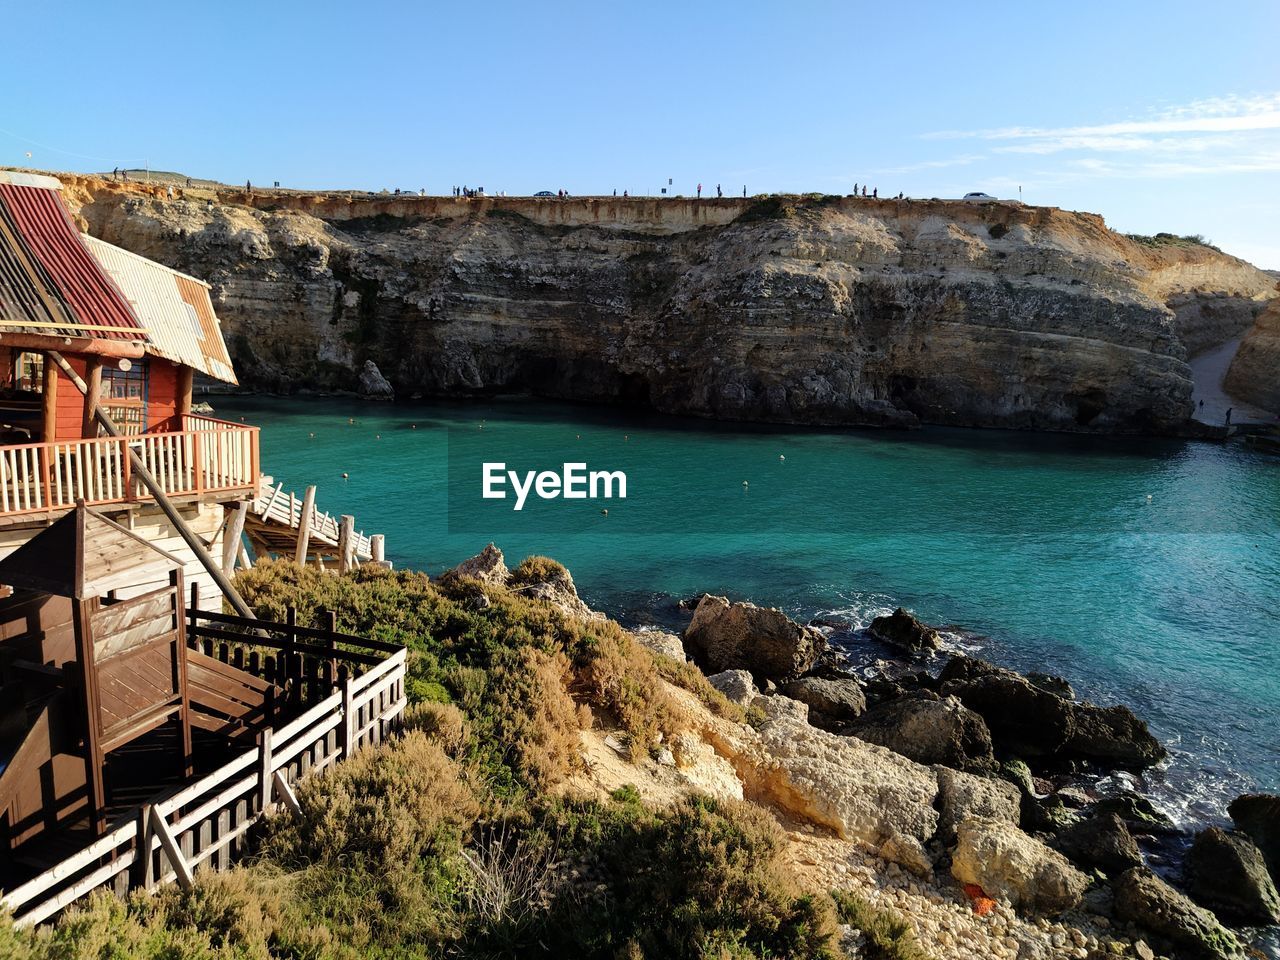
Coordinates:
column 281, row 523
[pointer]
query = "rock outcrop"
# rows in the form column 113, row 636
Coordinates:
column 902, row 630
column 1258, row 816
column 1101, row 842
column 1254, row 375
column 834, row 310
column 831, row 702
column 736, row 685
column 1008, row 864
column 730, row 636
column 928, row 731
column 962, row 796
column 1145, row 900
column 1226, row 873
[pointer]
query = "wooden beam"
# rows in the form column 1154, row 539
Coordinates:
column 304, row 526
column 186, row 378
column 245, row 562
column 231, row 545
column 346, row 543
column 170, row 846
column 286, row 794
column 92, row 391
column 162, row 500
column 49, row 394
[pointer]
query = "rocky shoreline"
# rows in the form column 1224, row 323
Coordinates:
column 1009, row 766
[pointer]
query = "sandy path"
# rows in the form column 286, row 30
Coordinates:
column 1208, row 370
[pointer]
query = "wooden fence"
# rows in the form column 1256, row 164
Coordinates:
column 203, row 825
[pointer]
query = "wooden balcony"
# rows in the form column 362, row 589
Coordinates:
column 201, row 456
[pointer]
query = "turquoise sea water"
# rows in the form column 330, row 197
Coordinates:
column 1146, row 572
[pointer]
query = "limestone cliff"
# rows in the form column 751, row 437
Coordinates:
column 820, row 310
column 1254, row 376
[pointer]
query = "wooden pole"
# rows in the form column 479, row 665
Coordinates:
column 49, row 394
column 92, row 390
column 231, row 545
column 346, row 542
column 186, row 377
column 142, row 473
column 378, row 548
column 304, row 526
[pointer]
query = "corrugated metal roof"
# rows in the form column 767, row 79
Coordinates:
column 49, row 283
column 174, row 308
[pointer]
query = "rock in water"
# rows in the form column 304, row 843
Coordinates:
column 730, row 636
column 929, row 731
column 373, row 385
column 1143, row 899
column 1258, row 815
column 902, row 630
column 1102, row 842
column 1139, row 814
column 1226, row 873
column 1008, row 864
column 1113, row 736
column 736, row 685
column 834, row 700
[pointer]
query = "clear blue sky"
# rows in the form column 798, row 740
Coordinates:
column 1159, row 115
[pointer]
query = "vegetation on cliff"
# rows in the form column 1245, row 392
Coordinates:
column 458, row 837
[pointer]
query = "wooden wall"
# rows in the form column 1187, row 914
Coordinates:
column 154, row 527
column 162, row 393
column 163, row 378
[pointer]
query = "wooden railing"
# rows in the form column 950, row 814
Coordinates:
column 204, row 824
column 206, row 456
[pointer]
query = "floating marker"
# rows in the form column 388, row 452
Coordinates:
column 344, row 476
column 377, row 436
column 605, row 511
column 745, row 484
column 781, row 457
column 311, row 435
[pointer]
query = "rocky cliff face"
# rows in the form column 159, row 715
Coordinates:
column 1254, row 376
column 830, row 310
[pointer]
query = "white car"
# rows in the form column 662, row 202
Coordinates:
column 979, row 197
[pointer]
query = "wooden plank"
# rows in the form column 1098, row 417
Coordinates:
column 346, row 545
column 236, row 514
column 118, row 616
column 304, row 526
column 286, row 794
column 176, row 859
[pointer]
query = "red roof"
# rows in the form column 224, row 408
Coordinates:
column 52, row 268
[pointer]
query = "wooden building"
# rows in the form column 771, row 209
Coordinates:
column 136, row 334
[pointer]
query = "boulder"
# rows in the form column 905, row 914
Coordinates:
column 551, row 582
column 662, row 643
column 1226, row 873
column 1143, row 899
column 1139, row 814
column 928, row 731
column 373, row 385
column 861, row 791
column 836, row 700
column 736, row 685
column 1010, row 865
column 487, row 566
column 1055, row 685
column 1019, row 774
column 1114, row 737
column 730, row 636
column 902, row 630
column 775, row 706
column 1101, row 842
column 963, row 796
column 1258, row 815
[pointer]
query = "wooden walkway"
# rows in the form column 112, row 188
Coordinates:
column 279, row 522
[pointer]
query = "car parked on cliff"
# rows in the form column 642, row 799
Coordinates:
column 979, row 197
column 544, row 193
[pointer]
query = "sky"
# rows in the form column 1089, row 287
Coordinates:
column 1161, row 116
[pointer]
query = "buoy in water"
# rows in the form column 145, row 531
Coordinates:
column 413, row 426
column 344, row 476
column 745, row 484
column 605, row 511
column 1148, row 496
column 781, row 456
column 311, row 435
column 377, row 436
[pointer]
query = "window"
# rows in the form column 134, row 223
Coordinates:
column 124, row 395
column 28, row 371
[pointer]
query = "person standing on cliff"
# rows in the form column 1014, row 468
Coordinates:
column 699, row 191
column 719, row 192
column 1229, row 409
column 875, row 193
column 744, row 191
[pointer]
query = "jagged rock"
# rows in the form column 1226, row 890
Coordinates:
column 1139, row 814
column 1226, row 873
column 662, row 643
column 1055, row 685
column 928, row 731
column 736, row 685
column 730, row 636
column 835, row 700
column 1049, row 815
column 1029, row 720
column 1019, row 774
column 902, row 630
column 907, row 852
column 1258, row 815
column 777, row 707
column 1143, row 899
column 1008, row 864
column 1113, row 736
column 1102, row 842
column 862, row 792
column 373, row 385
column 488, row 566
column 963, row 796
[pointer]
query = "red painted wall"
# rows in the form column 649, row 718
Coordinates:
column 162, row 397
column 162, row 394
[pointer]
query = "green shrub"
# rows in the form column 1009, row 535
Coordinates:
column 887, row 935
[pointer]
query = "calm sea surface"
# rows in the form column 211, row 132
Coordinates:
column 1147, row 572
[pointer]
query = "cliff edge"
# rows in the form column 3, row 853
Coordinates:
column 1254, row 375
column 832, row 310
